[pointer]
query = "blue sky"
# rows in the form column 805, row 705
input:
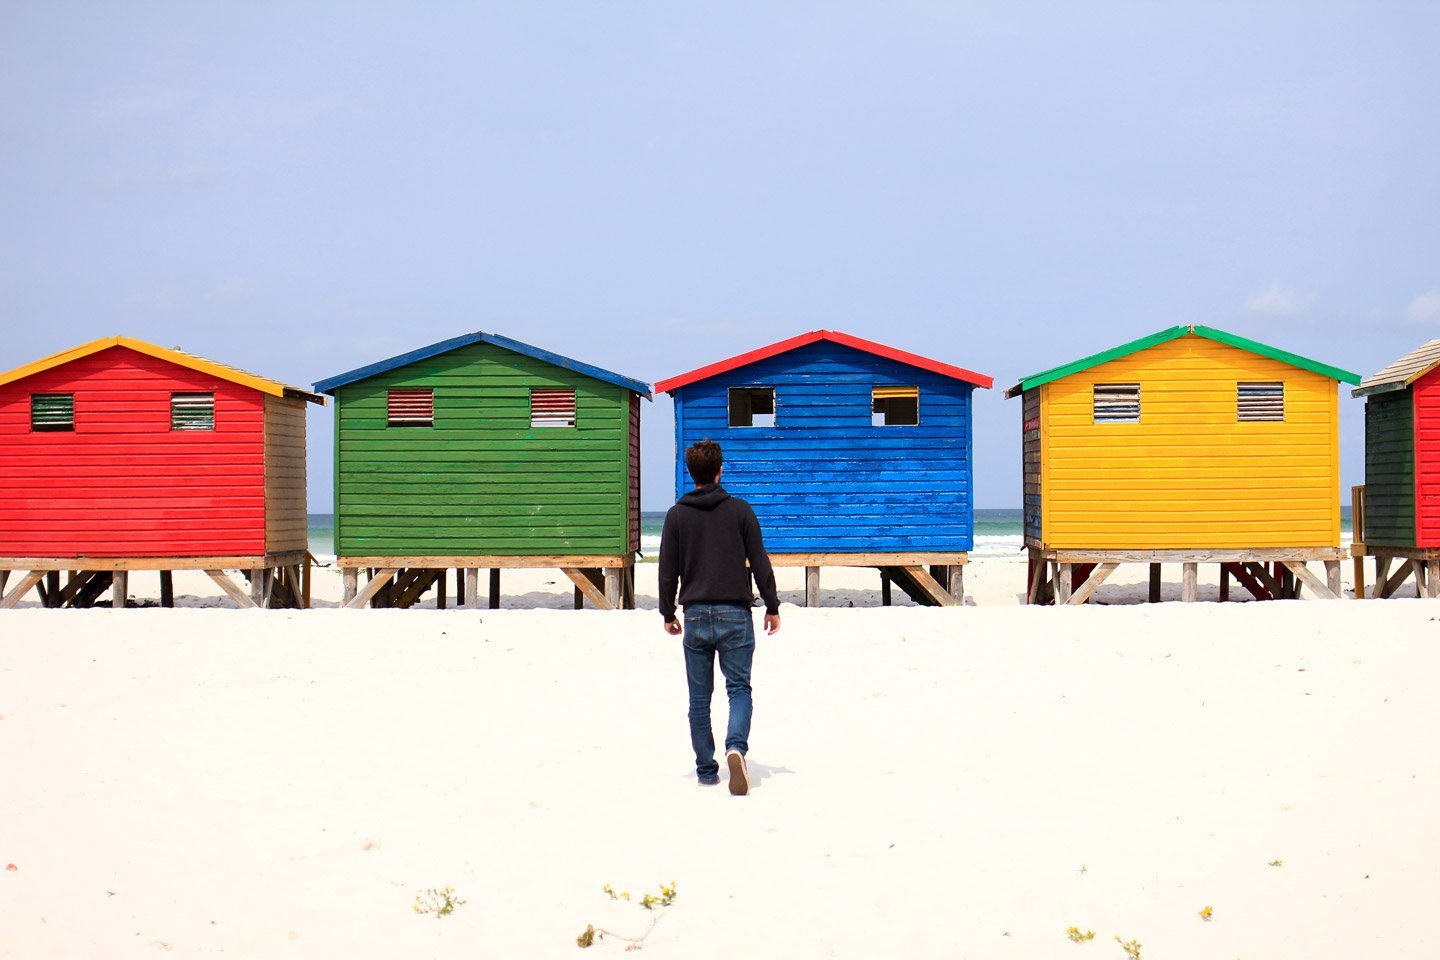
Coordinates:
column 303, row 188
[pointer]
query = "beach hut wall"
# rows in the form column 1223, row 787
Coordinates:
column 122, row 449
column 483, row 446
column 1189, row 439
column 802, row 426
column 1402, row 451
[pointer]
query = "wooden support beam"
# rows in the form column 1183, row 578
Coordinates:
column 377, row 582
column 1189, row 582
column 241, row 598
column 1419, row 569
column 351, row 576
column 1307, row 577
column 1062, row 584
column 957, row 584
column 884, row 588
column 1154, row 583
column 925, row 582
column 587, row 586
column 52, row 588
column 494, row 588
column 1224, row 582
column 1400, row 576
column 260, row 588
column 472, row 588
column 27, row 582
column 167, row 588
column 440, row 589
column 1038, row 568
column 91, row 590
column 612, row 587
column 415, row 585
column 1432, row 579
column 79, row 579
column 1247, row 579
column 119, row 589
column 305, row 579
column 579, row 599
column 628, row 600
column 1382, row 567
column 1332, row 578
column 812, row 586
column 1260, row 573
column 4, row 578
column 1092, row 583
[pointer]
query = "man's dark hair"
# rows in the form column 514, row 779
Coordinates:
column 703, row 460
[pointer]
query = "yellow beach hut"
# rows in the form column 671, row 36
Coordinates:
column 1189, row 446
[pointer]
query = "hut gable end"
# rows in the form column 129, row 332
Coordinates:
column 823, row 478
column 1190, row 473
column 483, row 479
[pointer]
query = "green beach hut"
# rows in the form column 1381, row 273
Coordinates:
column 482, row 452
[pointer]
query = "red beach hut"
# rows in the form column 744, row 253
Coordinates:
column 121, row 455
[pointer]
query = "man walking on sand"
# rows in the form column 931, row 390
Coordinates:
column 707, row 539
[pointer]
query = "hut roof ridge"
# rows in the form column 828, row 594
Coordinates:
column 1175, row 333
column 331, row 384
column 1403, row 372
column 815, row 336
column 172, row 354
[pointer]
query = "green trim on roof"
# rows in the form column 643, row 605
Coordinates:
column 1175, row 333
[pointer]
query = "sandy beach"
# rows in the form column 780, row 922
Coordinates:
column 956, row 783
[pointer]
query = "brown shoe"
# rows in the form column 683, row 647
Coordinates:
column 739, row 779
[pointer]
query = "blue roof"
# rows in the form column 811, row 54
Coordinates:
column 332, row 384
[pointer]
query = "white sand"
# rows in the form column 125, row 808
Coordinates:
column 927, row 783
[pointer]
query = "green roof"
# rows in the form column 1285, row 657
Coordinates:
column 1175, row 333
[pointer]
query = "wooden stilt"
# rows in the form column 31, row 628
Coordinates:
column 257, row 587
column 1401, row 574
column 812, row 586
column 494, row 588
column 4, row 577
column 378, row 581
column 52, row 588
column 305, row 580
column 1418, row 568
column 579, row 599
column 1432, row 578
column 351, row 577
column 1189, row 582
column 1382, row 568
column 1332, row 577
column 957, row 583
column 26, row 583
column 612, row 587
column 1062, row 584
column 440, row 590
column 884, row 588
column 119, row 589
column 1154, row 583
column 167, row 588
column 1224, row 583
column 472, row 588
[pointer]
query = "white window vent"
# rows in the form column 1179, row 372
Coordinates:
column 1117, row 403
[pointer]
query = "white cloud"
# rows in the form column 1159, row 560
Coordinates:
column 1277, row 301
column 1424, row 309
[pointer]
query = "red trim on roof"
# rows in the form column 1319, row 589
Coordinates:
column 814, row 336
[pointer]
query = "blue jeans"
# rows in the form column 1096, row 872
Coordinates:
column 710, row 629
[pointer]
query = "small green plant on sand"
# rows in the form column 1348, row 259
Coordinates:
column 649, row 901
column 1131, row 947
column 1077, row 937
column 437, row 903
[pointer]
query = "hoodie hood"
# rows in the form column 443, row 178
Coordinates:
column 707, row 497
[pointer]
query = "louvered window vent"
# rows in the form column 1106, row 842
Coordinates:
column 410, row 408
column 1117, row 403
column 192, row 411
column 52, row 412
column 552, row 407
column 1260, row 401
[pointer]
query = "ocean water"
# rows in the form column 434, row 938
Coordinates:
column 998, row 533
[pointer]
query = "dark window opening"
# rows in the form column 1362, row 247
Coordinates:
column 894, row 406
column 752, row 406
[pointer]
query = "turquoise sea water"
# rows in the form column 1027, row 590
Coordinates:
column 997, row 532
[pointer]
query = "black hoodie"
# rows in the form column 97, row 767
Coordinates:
column 707, row 538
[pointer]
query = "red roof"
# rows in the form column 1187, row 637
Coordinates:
column 815, row 336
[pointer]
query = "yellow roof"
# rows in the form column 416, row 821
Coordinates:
column 223, row 371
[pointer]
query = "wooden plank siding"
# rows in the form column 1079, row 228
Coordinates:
column 1032, row 454
column 123, row 483
column 1390, row 469
column 633, row 538
column 823, row 479
column 286, row 523
column 1188, row 475
column 1427, row 460
column 482, row 480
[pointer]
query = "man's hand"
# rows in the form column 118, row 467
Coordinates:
column 772, row 623
column 673, row 627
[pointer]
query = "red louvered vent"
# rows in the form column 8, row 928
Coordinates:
column 411, row 408
column 552, row 408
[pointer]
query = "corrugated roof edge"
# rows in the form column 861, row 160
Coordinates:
column 1406, row 370
column 1174, row 333
column 331, row 384
column 176, row 356
column 815, row 336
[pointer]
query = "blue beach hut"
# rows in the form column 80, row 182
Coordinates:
column 851, row 452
